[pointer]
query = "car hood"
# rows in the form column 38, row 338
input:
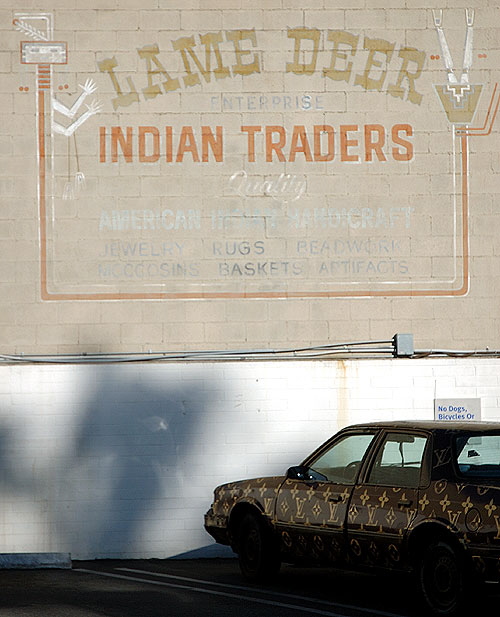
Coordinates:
column 261, row 485
column 259, row 491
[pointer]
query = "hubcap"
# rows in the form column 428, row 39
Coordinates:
column 252, row 547
column 442, row 581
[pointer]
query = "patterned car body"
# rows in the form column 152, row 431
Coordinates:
column 361, row 522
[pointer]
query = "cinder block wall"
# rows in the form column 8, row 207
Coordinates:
column 121, row 460
column 306, row 182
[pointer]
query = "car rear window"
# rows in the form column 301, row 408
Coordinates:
column 479, row 455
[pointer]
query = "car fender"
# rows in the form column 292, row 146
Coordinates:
column 423, row 531
column 257, row 495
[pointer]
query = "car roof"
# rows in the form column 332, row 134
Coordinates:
column 431, row 425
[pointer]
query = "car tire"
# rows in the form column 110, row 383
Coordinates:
column 441, row 579
column 258, row 553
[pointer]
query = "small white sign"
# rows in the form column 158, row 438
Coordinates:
column 457, row 409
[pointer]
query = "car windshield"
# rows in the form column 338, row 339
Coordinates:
column 479, row 455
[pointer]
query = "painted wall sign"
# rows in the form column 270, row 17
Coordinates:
column 457, row 409
column 221, row 165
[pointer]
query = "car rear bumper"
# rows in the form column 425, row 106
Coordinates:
column 486, row 564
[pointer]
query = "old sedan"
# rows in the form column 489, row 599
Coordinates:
column 420, row 497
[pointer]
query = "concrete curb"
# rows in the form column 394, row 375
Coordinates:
column 34, row 560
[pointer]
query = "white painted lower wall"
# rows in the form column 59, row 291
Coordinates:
column 120, row 460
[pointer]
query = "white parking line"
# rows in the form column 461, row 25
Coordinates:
column 339, row 605
column 211, row 592
column 296, row 607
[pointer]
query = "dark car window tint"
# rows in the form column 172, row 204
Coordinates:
column 342, row 461
column 479, row 455
column 399, row 461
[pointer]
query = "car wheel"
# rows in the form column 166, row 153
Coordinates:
column 257, row 549
column 441, row 579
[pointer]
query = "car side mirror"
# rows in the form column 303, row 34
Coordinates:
column 304, row 474
column 298, row 472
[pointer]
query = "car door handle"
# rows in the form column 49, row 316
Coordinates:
column 405, row 503
column 335, row 498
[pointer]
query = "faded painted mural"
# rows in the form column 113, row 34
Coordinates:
column 207, row 154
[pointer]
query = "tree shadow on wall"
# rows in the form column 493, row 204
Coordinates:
column 12, row 480
column 133, row 455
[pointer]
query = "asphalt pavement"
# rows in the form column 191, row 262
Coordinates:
column 209, row 588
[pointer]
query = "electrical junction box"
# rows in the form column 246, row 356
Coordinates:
column 403, row 345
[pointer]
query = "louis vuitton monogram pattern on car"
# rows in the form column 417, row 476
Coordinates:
column 399, row 496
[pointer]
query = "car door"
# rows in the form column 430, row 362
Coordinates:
column 385, row 501
column 312, row 503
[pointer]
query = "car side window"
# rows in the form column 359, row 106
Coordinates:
column 399, row 461
column 342, row 461
column 479, row 455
